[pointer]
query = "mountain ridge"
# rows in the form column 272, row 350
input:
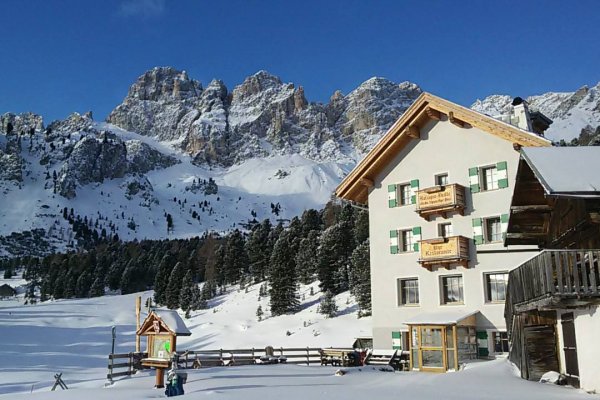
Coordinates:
column 263, row 144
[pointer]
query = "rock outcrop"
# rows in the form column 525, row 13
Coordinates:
column 260, row 117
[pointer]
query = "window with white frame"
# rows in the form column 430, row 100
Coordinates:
column 489, row 178
column 406, row 240
column 404, row 194
column 452, row 289
column 408, row 291
column 493, row 229
column 495, row 286
column 445, row 230
column 441, row 179
column 500, row 341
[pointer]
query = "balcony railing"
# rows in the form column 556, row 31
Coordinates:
column 440, row 200
column 445, row 251
column 554, row 279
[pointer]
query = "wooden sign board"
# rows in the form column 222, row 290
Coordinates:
column 437, row 199
column 439, row 250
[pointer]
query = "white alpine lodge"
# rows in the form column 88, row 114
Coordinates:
column 447, row 226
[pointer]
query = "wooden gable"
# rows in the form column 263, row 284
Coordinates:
column 427, row 107
column 154, row 325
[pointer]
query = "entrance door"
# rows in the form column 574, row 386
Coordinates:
column 570, row 345
column 540, row 345
column 432, row 349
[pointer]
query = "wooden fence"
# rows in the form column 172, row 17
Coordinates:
column 292, row 355
column 214, row 357
column 129, row 367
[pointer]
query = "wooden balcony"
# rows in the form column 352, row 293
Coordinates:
column 447, row 251
column 440, row 200
column 554, row 279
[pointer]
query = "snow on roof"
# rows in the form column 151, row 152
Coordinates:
column 566, row 170
column 446, row 317
column 173, row 321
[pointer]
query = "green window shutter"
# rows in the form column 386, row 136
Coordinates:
column 504, row 224
column 474, row 180
column 501, row 167
column 394, row 242
column 392, row 197
column 397, row 340
column 416, row 232
column 482, row 343
column 414, row 186
column 477, row 231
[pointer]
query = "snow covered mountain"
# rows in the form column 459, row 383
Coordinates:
column 209, row 157
column 574, row 114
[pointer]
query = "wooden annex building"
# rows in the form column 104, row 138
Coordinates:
column 552, row 301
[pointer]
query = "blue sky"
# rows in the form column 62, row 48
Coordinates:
column 65, row 55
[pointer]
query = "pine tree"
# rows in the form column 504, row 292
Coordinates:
column 174, row 286
column 328, row 307
column 185, row 294
column 236, row 260
column 337, row 244
column 162, row 278
column 259, row 313
column 282, row 278
column 219, row 263
column 361, row 226
column 259, row 248
column 307, row 258
column 97, row 288
column 82, row 287
column 198, row 302
column 360, row 278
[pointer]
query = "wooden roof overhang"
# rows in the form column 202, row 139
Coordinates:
column 355, row 186
column 530, row 210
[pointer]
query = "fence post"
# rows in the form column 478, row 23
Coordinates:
column 110, row 367
column 281, row 351
column 130, row 364
column 307, row 356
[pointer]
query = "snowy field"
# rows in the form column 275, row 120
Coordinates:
column 73, row 337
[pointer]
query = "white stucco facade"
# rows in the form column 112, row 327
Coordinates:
column 587, row 326
column 443, row 148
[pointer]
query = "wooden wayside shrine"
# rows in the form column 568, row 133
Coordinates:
column 161, row 328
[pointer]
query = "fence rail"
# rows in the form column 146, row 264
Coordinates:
column 132, row 365
column 553, row 275
column 215, row 357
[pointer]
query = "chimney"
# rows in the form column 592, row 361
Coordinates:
column 523, row 118
column 520, row 114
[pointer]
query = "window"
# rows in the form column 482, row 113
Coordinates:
column 495, row 286
column 404, row 194
column 406, row 240
column 500, row 340
column 441, row 179
column 445, row 230
column 452, row 289
column 489, row 177
column 408, row 291
column 493, row 230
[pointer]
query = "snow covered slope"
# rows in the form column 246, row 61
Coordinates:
column 74, row 337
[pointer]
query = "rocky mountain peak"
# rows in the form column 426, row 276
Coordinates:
column 21, row 122
column 164, row 84
column 255, row 84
